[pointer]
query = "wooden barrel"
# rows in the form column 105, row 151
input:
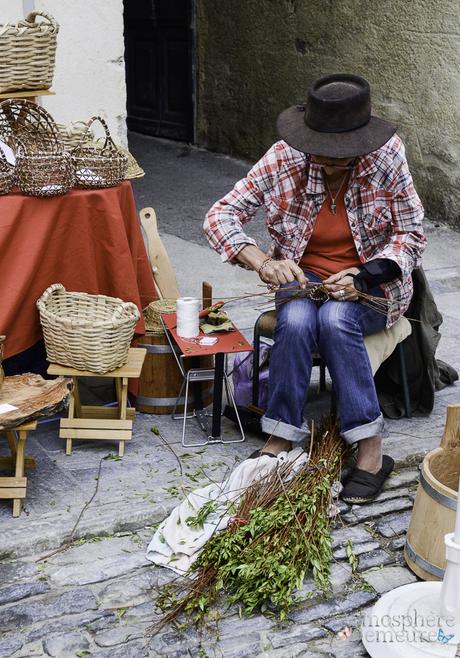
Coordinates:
column 435, row 505
column 161, row 380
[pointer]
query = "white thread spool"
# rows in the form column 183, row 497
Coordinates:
column 188, row 323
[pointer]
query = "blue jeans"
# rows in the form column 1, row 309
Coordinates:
column 337, row 330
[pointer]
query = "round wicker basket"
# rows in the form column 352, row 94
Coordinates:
column 6, row 174
column 43, row 168
column 87, row 332
column 97, row 166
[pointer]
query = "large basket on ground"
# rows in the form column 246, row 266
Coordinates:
column 6, row 174
column 102, row 165
column 88, row 332
column 27, row 53
column 43, row 168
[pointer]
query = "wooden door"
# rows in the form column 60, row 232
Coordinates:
column 158, row 52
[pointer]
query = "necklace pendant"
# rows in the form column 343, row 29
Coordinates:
column 333, row 208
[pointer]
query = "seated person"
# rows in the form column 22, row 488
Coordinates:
column 340, row 208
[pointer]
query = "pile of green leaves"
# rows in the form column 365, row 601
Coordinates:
column 280, row 531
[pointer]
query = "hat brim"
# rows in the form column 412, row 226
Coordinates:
column 293, row 130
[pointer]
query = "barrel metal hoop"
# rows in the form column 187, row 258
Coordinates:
column 439, row 497
column 161, row 402
column 156, row 349
column 421, row 562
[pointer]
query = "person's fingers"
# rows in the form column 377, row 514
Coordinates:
column 333, row 278
column 299, row 275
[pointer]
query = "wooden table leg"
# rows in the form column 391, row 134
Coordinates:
column 72, row 408
column 19, row 473
column 123, row 403
column 11, row 438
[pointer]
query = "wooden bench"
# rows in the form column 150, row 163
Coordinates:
column 98, row 422
column 15, row 487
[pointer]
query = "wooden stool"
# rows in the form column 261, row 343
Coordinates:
column 97, row 422
column 15, row 487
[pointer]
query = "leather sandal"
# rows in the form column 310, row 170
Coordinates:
column 362, row 486
column 258, row 453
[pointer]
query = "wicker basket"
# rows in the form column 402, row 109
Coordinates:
column 71, row 136
column 6, row 174
column 43, row 168
column 88, row 332
column 27, row 53
column 98, row 166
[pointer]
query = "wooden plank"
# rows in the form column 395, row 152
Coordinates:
column 163, row 272
column 13, row 481
column 7, row 494
column 108, row 435
column 97, row 423
column 27, row 93
column 131, row 369
column 10, row 463
column 88, row 411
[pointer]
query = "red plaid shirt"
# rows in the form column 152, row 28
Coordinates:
column 384, row 211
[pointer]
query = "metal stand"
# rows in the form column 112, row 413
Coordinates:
column 195, row 376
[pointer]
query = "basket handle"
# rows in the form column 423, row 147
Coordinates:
column 108, row 137
column 30, row 19
column 126, row 306
column 48, row 293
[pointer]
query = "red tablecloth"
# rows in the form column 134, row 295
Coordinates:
column 88, row 240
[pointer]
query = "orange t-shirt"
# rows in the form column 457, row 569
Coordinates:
column 331, row 247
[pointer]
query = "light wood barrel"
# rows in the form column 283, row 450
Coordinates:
column 161, row 380
column 433, row 515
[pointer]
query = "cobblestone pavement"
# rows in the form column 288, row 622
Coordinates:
column 97, row 597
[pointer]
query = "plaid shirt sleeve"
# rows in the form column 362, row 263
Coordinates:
column 407, row 242
column 224, row 222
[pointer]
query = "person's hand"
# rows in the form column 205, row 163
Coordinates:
column 341, row 285
column 277, row 272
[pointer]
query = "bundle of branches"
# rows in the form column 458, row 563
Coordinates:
column 280, row 530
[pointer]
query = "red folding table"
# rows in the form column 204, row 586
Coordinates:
column 227, row 343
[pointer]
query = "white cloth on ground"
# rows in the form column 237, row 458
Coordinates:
column 176, row 544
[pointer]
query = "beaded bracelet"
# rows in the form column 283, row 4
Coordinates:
column 262, row 267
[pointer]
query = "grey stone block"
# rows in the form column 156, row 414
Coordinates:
column 9, row 645
column 356, row 534
column 25, row 614
column 394, row 524
column 331, row 607
column 136, row 649
column 374, row 559
column 86, row 621
column 370, row 512
column 401, row 478
column 388, row 578
column 398, row 543
column 358, row 549
column 65, row 645
column 22, row 591
column 120, row 634
column 294, row 633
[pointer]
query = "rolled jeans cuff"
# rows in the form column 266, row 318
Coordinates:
column 367, row 431
column 284, row 430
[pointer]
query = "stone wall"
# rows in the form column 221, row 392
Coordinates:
column 90, row 72
column 256, row 57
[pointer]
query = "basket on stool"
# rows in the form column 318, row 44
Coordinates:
column 43, row 168
column 87, row 332
column 102, row 165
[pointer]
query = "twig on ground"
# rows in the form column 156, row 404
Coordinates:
column 68, row 541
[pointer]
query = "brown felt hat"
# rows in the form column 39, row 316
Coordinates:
column 336, row 119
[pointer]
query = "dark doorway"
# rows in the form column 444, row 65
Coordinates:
column 159, row 63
